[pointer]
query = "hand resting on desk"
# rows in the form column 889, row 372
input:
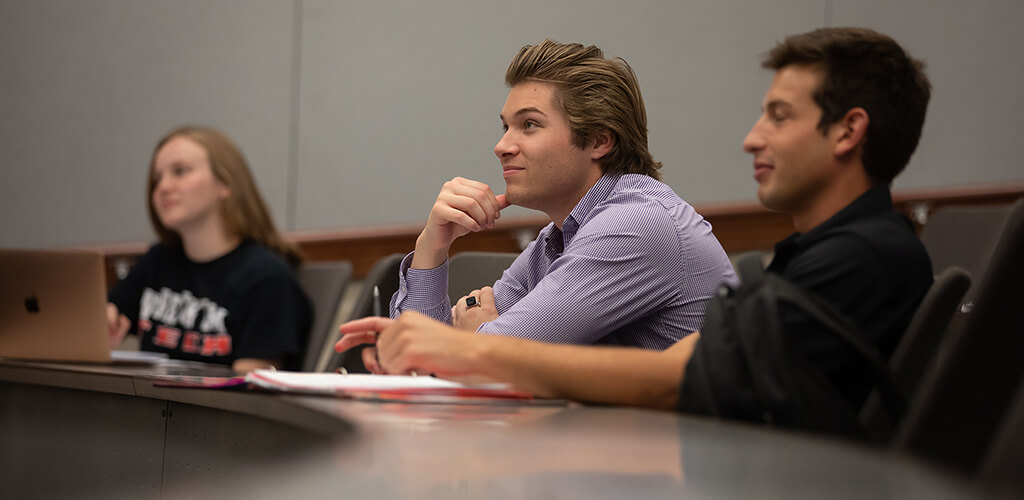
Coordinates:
column 117, row 325
column 411, row 343
column 604, row 374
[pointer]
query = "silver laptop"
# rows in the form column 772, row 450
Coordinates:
column 53, row 306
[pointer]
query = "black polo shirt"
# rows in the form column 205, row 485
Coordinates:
column 867, row 261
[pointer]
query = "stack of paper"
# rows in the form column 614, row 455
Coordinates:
column 377, row 386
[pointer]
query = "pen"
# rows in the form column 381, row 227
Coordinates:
column 376, row 312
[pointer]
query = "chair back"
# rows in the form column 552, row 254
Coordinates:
column 919, row 344
column 964, row 236
column 324, row 283
column 1001, row 468
column 383, row 275
column 964, row 397
column 468, row 271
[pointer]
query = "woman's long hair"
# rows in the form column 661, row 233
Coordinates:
column 244, row 212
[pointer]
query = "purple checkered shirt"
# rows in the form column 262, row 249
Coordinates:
column 633, row 265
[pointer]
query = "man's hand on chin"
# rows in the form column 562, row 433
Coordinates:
column 463, row 206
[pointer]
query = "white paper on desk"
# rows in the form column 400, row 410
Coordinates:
column 331, row 383
column 137, row 357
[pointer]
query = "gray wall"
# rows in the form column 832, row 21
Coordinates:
column 354, row 113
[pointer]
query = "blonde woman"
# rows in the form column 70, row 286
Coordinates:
column 219, row 286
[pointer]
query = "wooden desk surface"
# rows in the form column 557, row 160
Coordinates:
column 392, row 450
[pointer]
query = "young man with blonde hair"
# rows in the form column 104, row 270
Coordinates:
column 841, row 119
column 625, row 260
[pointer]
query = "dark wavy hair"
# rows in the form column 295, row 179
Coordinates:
column 866, row 69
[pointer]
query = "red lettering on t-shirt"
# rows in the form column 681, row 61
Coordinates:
column 167, row 337
column 216, row 345
column 191, row 342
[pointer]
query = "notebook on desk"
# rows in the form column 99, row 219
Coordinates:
column 53, row 308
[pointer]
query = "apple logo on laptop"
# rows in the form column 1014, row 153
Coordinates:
column 32, row 304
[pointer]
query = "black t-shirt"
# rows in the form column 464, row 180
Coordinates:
column 866, row 261
column 245, row 304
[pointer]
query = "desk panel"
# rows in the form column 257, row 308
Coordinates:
column 60, row 443
column 209, row 446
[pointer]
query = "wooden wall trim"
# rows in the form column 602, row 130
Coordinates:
column 740, row 226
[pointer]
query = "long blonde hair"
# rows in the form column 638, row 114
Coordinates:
column 244, row 211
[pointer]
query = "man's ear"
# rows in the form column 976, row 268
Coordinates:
column 852, row 131
column 604, row 141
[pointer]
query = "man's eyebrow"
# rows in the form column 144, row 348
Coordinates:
column 775, row 104
column 524, row 111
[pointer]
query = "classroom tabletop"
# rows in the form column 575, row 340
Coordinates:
column 380, row 450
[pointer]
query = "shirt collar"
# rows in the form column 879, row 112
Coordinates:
column 874, row 201
column 581, row 212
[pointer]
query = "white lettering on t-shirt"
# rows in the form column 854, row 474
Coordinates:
column 182, row 309
column 190, row 307
column 213, row 320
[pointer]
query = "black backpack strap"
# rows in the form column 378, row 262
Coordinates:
column 843, row 327
column 750, row 267
column 745, row 367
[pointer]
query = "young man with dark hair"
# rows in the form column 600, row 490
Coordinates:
column 625, row 261
column 821, row 156
column 842, row 117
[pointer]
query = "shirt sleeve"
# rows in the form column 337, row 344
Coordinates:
column 127, row 293
column 275, row 317
column 422, row 290
column 619, row 268
column 426, row 290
